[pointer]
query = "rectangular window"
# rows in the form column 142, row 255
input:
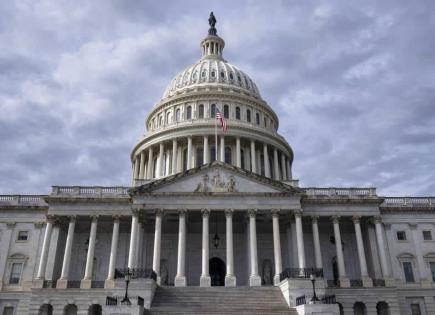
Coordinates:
column 8, row 310
column 23, row 235
column 407, row 269
column 427, row 235
column 15, row 273
column 432, row 269
column 401, row 235
column 415, row 309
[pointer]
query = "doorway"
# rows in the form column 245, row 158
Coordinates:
column 217, row 271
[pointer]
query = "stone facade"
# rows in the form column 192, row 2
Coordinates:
column 215, row 209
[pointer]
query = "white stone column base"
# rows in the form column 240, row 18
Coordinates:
column 158, row 280
column 344, row 283
column 276, row 280
column 367, row 282
column 109, row 284
column 390, row 282
column 38, row 283
column 205, row 281
column 85, row 284
column 180, row 281
column 254, row 281
column 61, row 284
column 230, row 281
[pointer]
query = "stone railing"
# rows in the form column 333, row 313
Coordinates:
column 22, row 200
column 89, row 191
column 408, row 202
column 350, row 192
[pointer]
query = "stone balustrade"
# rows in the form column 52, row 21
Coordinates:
column 89, row 191
column 330, row 192
column 408, row 202
column 25, row 200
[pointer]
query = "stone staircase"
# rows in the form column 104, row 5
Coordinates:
column 219, row 300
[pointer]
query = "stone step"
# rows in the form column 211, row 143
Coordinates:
column 219, row 300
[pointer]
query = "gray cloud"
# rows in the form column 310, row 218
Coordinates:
column 351, row 81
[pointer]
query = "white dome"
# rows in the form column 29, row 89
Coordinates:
column 215, row 71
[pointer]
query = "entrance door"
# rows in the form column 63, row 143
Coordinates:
column 217, row 271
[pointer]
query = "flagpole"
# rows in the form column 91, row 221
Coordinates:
column 215, row 135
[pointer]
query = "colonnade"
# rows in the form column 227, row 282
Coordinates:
column 230, row 279
column 170, row 158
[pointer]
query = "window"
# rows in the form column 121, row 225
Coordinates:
column 8, row 310
column 177, row 115
column 242, row 159
column 238, row 113
column 432, row 269
column 265, row 122
column 248, row 115
column 201, row 111
column 15, row 273
column 23, row 236
column 226, row 111
column 185, row 160
column 228, row 155
column 189, row 112
column 168, row 117
column 407, row 270
column 427, row 235
column 257, row 118
column 199, row 157
column 213, row 111
column 212, row 154
column 213, row 74
column 161, row 120
column 415, row 309
column 222, row 74
column 231, row 76
column 203, row 74
column 401, row 235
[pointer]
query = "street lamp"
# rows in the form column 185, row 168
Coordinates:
column 127, row 277
column 314, row 299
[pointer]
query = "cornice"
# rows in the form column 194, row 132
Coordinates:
column 333, row 200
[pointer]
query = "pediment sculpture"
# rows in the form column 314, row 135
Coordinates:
column 217, row 184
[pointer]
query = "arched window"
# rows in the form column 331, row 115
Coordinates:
column 95, row 309
column 228, row 155
column 161, row 121
column 382, row 308
column 213, row 111
column 168, row 117
column 199, row 157
column 242, row 158
column 238, row 113
column 178, row 115
column 45, row 309
column 248, row 115
column 231, row 76
column 212, row 153
column 359, row 308
column 189, row 112
column 201, row 111
column 70, row 309
column 226, row 111
column 222, row 74
column 257, row 118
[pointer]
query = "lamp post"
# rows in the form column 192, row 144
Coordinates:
column 126, row 300
column 314, row 299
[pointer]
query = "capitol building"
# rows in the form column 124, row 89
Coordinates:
column 215, row 223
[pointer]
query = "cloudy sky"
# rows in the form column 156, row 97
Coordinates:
column 353, row 83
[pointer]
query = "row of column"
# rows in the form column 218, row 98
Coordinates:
column 143, row 167
column 230, row 279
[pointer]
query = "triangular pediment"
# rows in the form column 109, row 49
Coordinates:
column 216, row 177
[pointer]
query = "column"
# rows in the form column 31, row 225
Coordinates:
column 150, row 163
column 63, row 281
column 139, row 236
column 189, row 153
column 380, row 237
column 86, row 281
column 238, row 155
column 276, row 247
column 253, row 158
column 206, row 151
column 205, row 280
column 109, row 283
column 136, row 167
column 174, row 156
column 300, row 240
column 367, row 282
column 289, row 170
column 283, row 167
column 157, row 244
column 230, row 278
column 344, row 281
column 222, row 155
column 44, row 252
column 316, row 241
column 159, row 167
column 266, row 161
column 133, row 236
column 275, row 164
column 254, row 278
column 142, row 165
column 180, row 278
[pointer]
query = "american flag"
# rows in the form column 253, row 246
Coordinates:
column 222, row 120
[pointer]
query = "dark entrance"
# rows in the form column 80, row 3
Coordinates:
column 217, row 272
